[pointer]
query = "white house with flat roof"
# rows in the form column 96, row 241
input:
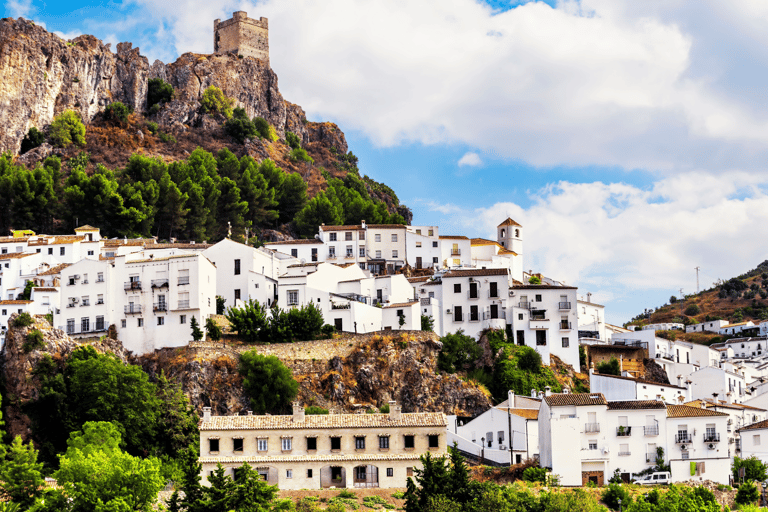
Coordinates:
column 713, row 326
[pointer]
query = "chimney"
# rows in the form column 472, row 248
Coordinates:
column 566, row 390
column 394, row 411
column 249, row 413
column 533, row 393
column 589, row 296
column 688, row 392
column 510, row 399
column 206, row 413
column 298, row 412
column 621, row 363
column 729, row 397
column 362, row 223
column 680, row 380
column 541, row 395
column 547, row 391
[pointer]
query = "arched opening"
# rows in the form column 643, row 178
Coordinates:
column 366, row 476
column 517, row 233
column 333, row 476
column 503, row 233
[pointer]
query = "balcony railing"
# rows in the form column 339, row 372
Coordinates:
column 184, row 280
column 159, row 306
column 652, row 430
column 538, row 316
column 591, row 427
column 345, row 305
column 493, row 294
column 474, row 317
column 71, row 304
column 624, row 431
column 133, row 285
column 624, row 454
column 132, row 309
column 712, row 437
column 487, row 315
column 85, row 303
column 458, row 318
column 524, row 305
column 683, row 438
column 563, row 305
column 472, row 294
column 455, row 252
column 183, row 304
column 157, row 283
column 564, row 326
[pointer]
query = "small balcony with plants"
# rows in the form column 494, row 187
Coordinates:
column 624, row 431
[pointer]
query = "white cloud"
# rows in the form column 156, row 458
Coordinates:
column 68, row 35
column 470, row 159
column 19, row 8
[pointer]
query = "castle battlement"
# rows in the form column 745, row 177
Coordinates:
column 242, row 35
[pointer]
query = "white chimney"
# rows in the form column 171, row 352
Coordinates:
column 362, row 223
column 394, row 411
column 533, row 393
column 206, row 413
column 547, row 391
column 688, row 392
column 589, row 296
column 680, row 380
column 298, row 412
column 510, row 399
column 566, row 390
column 729, row 397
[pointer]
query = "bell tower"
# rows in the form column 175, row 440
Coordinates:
column 509, row 234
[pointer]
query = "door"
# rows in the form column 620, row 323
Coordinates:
column 418, row 261
column 494, row 293
column 472, row 290
column 338, row 324
column 494, row 311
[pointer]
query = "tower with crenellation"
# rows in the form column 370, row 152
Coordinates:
column 242, row 35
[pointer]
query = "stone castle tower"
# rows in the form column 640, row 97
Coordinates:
column 242, row 35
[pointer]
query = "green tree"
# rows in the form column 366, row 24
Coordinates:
column 197, row 333
column 747, row 494
column 305, row 322
column 264, row 129
column 249, row 320
column 293, row 140
column 672, row 299
column 220, row 301
column 215, row 101
column 692, row 310
column 239, row 127
column 21, row 478
column 324, row 208
column 27, row 292
column 611, row 367
column 754, row 469
column 31, row 140
column 158, row 92
column 534, row 280
column 67, row 129
column 177, row 425
column 615, row 492
column 292, row 196
column 96, row 475
column 268, row 382
column 214, row 331
column 459, row 352
column 529, row 360
column 117, row 112
column 231, row 209
column 427, row 323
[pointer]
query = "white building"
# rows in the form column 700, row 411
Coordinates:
column 737, row 328
column 87, row 299
column 710, row 381
column 747, row 348
column 615, row 387
column 754, row 441
column 591, row 320
column 712, row 326
column 667, row 326
column 739, row 415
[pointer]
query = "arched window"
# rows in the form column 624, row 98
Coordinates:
column 517, row 233
column 503, row 233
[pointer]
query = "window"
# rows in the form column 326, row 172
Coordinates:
column 86, row 301
column 377, row 238
column 408, row 471
column 311, row 443
column 85, row 278
column 434, row 259
column 293, row 297
column 50, row 250
column 434, row 441
column 394, row 254
column 62, row 250
column 99, row 323
column 390, row 471
column 458, row 316
column 100, row 298
column 90, row 253
column 237, row 294
column 362, row 251
column 237, row 267
column 519, row 316
column 359, row 443
column 85, row 324
column 756, row 440
column 541, row 337
column 5, row 250
column 408, row 441
column 160, row 320
column 123, row 323
column 261, row 445
column 70, row 325
column 431, row 232
column 213, row 445
column 332, row 237
column 383, row 443
column 434, row 244
column 593, row 445
column 141, row 322
column 309, row 473
column 394, row 237
column 314, row 254
column 288, row 473
column 538, row 298
column 295, row 253
column 378, row 255
column 287, row 444
column 347, row 235
column 183, row 319
column 474, row 314
column 335, row 443
column 418, row 245
column 237, row 445
column 331, row 251
column 566, row 343
column 349, row 251
column 493, row 292
column 457, row 288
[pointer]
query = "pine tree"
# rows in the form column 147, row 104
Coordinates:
column 21, row 478
column 197, row 333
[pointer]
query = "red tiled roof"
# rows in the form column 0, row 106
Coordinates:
column 577, row 399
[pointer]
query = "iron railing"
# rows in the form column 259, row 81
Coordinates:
column 592, row 427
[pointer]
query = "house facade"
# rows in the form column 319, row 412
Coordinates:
column 323, row 451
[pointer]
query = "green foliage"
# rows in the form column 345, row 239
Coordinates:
column 21, row 478
column 315, row 409
column 23, row 320
column 252, row 323
column 747, row 493
column 459, row 352
column 615, row 492
column 26, row 294
column 672, row 299
column 239, row 127
column 264, row 129
column 67, row 129
column 754, row 469
column 611, row 367
column 427, row 323
column 508, row 375
column 247, row 493
column 158, row 92
column 213, row 329
column 692, row 310
column 582, row 357
column 34, row 138
column 117, row 112
column 293, row 140
column 268, row 382
column 220, row 301
column 197, row 333
column 300, row 155
column 167, row 138
column 534, row 280
column 529, row 360
column 34, row 341
column 384, row 409
column 249, row 321
column 152, row 127
column 534, row 474
column 215, row 102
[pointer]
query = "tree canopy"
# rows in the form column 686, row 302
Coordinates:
column 267, row 382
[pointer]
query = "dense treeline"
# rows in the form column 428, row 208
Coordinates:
column 197, row 199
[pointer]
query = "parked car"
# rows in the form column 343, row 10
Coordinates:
column 661, row 477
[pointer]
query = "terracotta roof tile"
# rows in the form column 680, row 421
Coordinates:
column 577, row 399
column 15, row 255
column 686, row 411
column 421, row 279
column 401, row 305
column 308, row 241
column 10, row 302
column 450, row 237
column 341, row 228
column 181, row 245
column 529, row 414
column 754, row 426
column 509, row 222
column 41, row 289
column 386, row 226
column 87, row 227
column 55, row 270
column 271, row 459
column 476, row 272
column 329, row 421
column 635, row 404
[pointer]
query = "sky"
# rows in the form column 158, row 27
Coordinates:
column 628, row 138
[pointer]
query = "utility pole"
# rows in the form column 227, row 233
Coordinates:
column 697, row 278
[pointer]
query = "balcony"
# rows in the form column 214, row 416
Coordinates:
column 538, row 316
column 183, row 304
column 85, row 303
column 132, row 309
column 71, row 305
column 651, row 430
column 455, row 252
column 100, row 301
column 487, row 315
column 683, row 438
column 100, row 280
column 159, row 306
column 624, row 454
column 711, row 437
column 565, row 326
column 591, row 428
column 524, row 305
column 183, row 280
column 562, row 306
column 345, row 305
column 458, row 318
column 624, row 431
column 159, row 283
column 473, row 295
column 133, row 285
column 493, row 294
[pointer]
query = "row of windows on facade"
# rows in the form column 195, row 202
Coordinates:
column 286, row 443
column 360, row 472
column 474, row 287
column 541, row 338
column 62, row 251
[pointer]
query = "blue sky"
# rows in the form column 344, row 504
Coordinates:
column 629, row 138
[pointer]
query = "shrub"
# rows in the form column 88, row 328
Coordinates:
column 611, row 367
column 529, row 360
column 458, row 353
column 67, row 129
column 347, row 494
column 214, row 331
column 327, row 331
column 754, row 468
column 34, row 341
column 704, row 494
column 534, row 474
column 315, row 409
column 747, row 494
column 384, row 409
column 301, row 155
column 117, row 112
column 23, row 320
column 158, row 91
column 267, row 382
column 215, row 102
column 427, row 323
column 167, row 137
column 672, row 299
column 32, row 139
column 264, row 129
column 293, row 140
column 239, row 127
column 534, row 280
column 152, row 127
column 692, row 310
column 615, row 492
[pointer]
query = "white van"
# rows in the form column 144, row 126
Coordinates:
column 662, row 477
